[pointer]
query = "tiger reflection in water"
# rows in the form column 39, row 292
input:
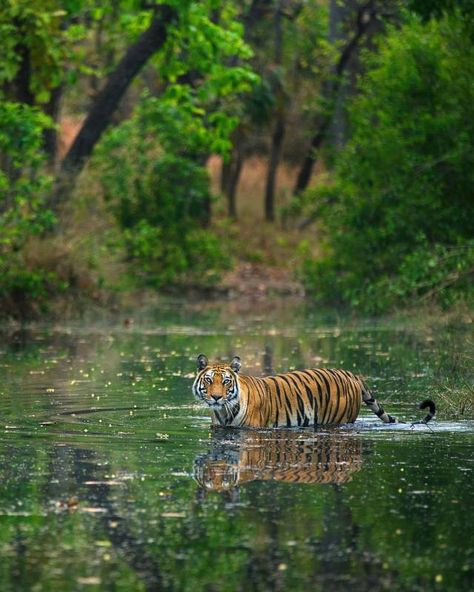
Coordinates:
column 289, row 456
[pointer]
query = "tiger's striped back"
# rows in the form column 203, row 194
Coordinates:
column 299, row 398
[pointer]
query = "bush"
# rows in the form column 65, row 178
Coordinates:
column 161, row 200
column 398, row 218
column 23, row 184
column 162, row 258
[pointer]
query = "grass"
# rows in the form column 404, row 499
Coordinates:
column 456, row 386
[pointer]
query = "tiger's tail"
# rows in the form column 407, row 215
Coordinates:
column 376, row 408
column 432, row 410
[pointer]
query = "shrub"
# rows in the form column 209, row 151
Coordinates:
column 23, row 184
column 161, row 201
column 398, row 218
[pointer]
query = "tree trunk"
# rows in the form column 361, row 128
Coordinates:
column 233, row 183
column 19, row 88
column 277, row 143
column 231, row 171
column 50, row 136
column 225, row 175
column 279, row 130
column 306, row 169
column 107, row 101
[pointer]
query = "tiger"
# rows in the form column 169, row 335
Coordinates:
column 261, row 455
column 300, row 398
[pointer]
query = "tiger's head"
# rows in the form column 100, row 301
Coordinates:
column 217, row 385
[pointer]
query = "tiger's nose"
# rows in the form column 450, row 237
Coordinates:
column 216, row 397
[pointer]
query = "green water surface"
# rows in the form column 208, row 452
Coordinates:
column 112, row 478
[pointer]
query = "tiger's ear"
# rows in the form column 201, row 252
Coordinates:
column 202, row 361
column 235, row 364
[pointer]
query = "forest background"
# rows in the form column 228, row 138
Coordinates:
column 159, row 146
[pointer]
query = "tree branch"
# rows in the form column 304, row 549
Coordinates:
column 108, row 99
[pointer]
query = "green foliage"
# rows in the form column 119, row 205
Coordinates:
column 184, row 125
column 21, row 129
column 399, row 218
column 22, row 187
column 160, row 200
column 54, row 35
column 290, row 76
column 205, row 34
column 430, row 8
column 163, row 257
column 152, row 166
column 153, row 176
column 430, row 272
column 35, row 28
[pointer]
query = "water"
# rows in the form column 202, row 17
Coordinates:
column 112, row 478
